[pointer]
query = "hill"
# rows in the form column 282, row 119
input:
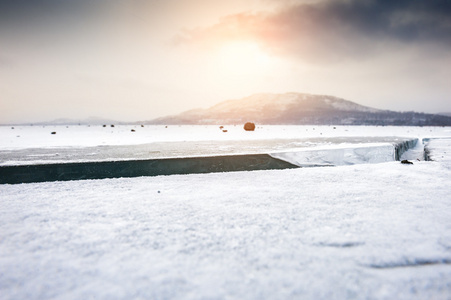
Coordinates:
column 300, row 109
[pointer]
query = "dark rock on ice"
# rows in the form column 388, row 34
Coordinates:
column 249, row 126
column 53, row 132
column 405, row 161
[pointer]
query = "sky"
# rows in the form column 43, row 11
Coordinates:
column 133, row 60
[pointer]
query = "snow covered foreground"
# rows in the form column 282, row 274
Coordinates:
column 379, row 231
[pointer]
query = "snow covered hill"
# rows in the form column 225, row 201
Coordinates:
column 302, row 109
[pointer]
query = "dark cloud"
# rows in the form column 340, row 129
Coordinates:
column 26, row 12
column 21, row 9
column 405, row 20
column 335, row 29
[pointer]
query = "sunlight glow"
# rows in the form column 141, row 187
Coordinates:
column 243, row 57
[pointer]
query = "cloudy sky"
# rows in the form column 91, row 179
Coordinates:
column 133, row 60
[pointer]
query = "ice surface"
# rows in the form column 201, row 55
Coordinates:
column 367, row 231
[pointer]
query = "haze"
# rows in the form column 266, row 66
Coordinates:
column 137, row 60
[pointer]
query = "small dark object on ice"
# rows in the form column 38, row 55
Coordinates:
column 53, row 132
column 405, row 161
column 133, row 130
column 142, row 125
column 249, row 126
column 224, row 130
column 12, row 127
column 221, row 127
column 104, row 125
column 112, row 125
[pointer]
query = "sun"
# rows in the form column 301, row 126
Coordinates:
column 243, row 56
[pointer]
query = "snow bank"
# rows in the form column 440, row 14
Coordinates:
column 379, row 231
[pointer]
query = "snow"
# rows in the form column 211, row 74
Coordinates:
column 439, row 150
column 362, row 231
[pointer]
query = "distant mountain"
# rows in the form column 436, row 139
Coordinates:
column 302, row 109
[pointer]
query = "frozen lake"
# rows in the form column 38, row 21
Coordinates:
column 23, row 137
column 354, row 231
column 26, row 145
column 52, row 153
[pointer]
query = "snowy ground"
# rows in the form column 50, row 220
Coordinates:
column 367, row 231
